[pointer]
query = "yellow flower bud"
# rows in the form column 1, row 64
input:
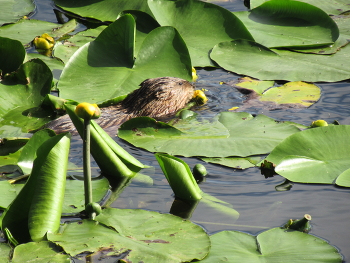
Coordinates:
column 45, row 41
column 200, row 97
column 86, row 110
column 319, row 123
column 194, row 74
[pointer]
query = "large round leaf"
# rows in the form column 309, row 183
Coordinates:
column 104, row 10
column 202, row 25
column 26, row 30
column 331, row 7
column 12, row 54
column 105, row 68
column 290, row 24
column 39, row 252
column 11, row 11
column 273, row 246
column 316, row 155
column 142, row 235
column 21, row 96
column 252, row 59
column 231, row 134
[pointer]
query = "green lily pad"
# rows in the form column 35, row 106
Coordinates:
column 142, row 235
column 295, row 94
column 202, row 25
column 255, row 60
column 274, row 245
column 5, row 250
column 230, row 134
column 331, row 7
column 8, row 193
column 21, row 96
column 234, row 162
column 74, row 201
column 39, row 252
column 56, row 65
column 104, row 10
column 12, row 54
column 105, row 68
column 11, row 11
column 290, row 24
column 317, row 155
column 25, row 30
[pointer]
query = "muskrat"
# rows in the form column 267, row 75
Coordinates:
column 155, row 98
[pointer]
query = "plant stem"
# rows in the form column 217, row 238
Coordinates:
column 86, row 162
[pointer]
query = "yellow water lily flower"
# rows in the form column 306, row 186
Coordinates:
column 86, row 110
column 45, row 41
column 194, row 74
column 200, row 97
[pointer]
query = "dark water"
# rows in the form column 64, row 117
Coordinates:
column 253, row 196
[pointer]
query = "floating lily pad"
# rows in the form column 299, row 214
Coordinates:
column 39, row 252
column 25, row 30
column 11, row 11
column 255, row 60
column 234, row 162
column 289, row 24
column 21, row 96
column 230, row 134
column 105, row 68
column 317, row 155
column 142, row 235
column 104, row 10
column 295, row 94
column 331, row 7
column 12, row 54
column 5, row 250
column 74, row 201
column 202, row 25
column 274, row 245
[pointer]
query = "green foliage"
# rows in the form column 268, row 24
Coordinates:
column 253, row 59
column 11, row 11
column 274, row 245
column 167, row 238
column 37, row 208
column 318, row 155
column 32, row 80
column 12, row 55
column 229, row 134
column 105, row 68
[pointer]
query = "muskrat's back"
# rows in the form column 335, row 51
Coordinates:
column 155, row 98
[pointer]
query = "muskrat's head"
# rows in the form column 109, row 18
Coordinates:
column 159, row 96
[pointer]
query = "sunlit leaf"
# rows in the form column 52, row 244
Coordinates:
column 11, row 11
column 37, row 208
column 229, row 134
column 317, row 155
column 274, row 245
column 331, row 7
column 202, row 25
column 21, row 96
column 255, row 60
column 105, row 10
column 39, row 252
column 143, row 235
column 105, row 68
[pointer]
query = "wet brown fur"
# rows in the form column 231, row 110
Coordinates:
column 155, row 98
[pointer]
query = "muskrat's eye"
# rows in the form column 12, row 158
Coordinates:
column 180, row 83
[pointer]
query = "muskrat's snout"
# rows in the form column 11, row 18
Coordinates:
column 160, row 96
